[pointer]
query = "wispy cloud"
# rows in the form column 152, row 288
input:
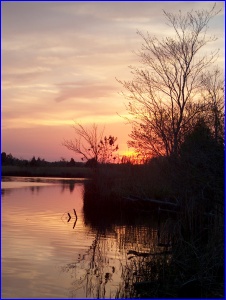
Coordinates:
column 60, row 59
column 84, row 91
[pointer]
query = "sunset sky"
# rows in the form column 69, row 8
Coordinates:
column 60, row 61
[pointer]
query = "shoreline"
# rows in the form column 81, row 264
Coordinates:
column 55, row 171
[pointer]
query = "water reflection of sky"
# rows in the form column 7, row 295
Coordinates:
column 37, row 240
column 45, row 256
column 15, row 184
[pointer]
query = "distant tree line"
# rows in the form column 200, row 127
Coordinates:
column 10, row 160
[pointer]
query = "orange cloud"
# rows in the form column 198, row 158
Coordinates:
column 60, row 61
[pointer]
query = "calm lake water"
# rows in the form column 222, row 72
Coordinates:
column 47, row 254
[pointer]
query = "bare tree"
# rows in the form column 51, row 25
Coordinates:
column 92, row 144
column 165, row 94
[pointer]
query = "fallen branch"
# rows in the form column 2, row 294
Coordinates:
column 145, row 254
column 135, row 198
column 169, row 210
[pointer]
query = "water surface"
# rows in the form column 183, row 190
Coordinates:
column 49, row 252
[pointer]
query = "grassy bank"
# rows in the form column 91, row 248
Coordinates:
column 47, row 171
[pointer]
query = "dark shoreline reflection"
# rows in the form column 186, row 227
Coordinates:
column 66, row 183
column 5, row 192
column 103, row 213
column 125, row 239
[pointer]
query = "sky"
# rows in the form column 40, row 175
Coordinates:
column 60, row 65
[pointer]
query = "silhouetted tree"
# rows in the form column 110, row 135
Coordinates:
column 91, row 144
column 165, row 95
column 213, row 94
column 91, row 163
column 107, row 147
column 4, row 158
column 201, row 182
column 8, row 159
column 33, row 162
column 200, row 148
column 71, row 162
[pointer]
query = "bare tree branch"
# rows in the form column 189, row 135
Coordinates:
column 165, row 95
column 92, row 144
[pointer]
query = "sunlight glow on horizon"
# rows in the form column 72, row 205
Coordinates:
column 55, row 73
